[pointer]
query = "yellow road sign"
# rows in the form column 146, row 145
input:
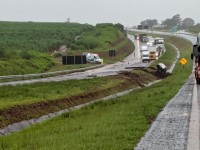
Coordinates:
column 183, row 61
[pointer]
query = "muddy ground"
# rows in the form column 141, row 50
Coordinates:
column 25, row 112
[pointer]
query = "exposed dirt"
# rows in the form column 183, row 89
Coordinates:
column 126, row 48
column 25, row 112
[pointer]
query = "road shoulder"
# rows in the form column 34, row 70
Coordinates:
column 170, row 129
column 193, row 136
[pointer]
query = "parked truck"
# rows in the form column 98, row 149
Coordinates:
column 196, row 55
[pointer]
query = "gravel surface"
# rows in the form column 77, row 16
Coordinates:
column 170, row 129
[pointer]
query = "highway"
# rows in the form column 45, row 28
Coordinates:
column 177, row 126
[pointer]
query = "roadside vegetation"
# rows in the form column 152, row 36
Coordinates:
column 167, row 58
column 43, row 37
column 194, row 29
column 30, row 47
column 29, row 94
column 43, row 98
column 115, row 124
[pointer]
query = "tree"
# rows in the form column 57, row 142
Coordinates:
column 153, row 22
column 149, row 22
column 174, row 21
column 187, row 22
column 197, row 25
column 144, row 23
column 167, row 23
column 119, row 26
column 68, row 20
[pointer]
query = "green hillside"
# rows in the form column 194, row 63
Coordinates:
column 39, row 36
column 194, row 29
column 26, row 47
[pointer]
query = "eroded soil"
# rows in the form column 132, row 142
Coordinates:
column 25, row 112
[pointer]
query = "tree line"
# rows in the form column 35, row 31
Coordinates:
column 176, row 20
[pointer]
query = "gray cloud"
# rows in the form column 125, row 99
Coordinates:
column 127, row 12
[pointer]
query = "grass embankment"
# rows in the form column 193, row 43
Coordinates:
column 116, row 124
column 167, row 58
column 123, row 47
column 33, row 63
column 195, row 29
column 28, row 94
column 33, row 101
column 24, row 46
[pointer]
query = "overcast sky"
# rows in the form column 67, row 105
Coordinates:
column 126, row 12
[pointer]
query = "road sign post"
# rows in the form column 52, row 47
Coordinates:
column 174, row 29
column 183, row 61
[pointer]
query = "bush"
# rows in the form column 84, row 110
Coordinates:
column 2, row 52
column 26, row 55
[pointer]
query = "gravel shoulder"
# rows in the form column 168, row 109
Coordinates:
column 170, row 129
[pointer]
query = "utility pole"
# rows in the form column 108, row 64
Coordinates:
column 68, row 20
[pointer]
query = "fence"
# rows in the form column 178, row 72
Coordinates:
column 71, row 60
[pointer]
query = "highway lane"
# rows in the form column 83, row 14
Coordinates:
column 181, row 34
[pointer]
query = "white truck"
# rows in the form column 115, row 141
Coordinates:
column 151, row 41
column 144, row 48
column 92, row 58
column 145, row 56
column 159, row 40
